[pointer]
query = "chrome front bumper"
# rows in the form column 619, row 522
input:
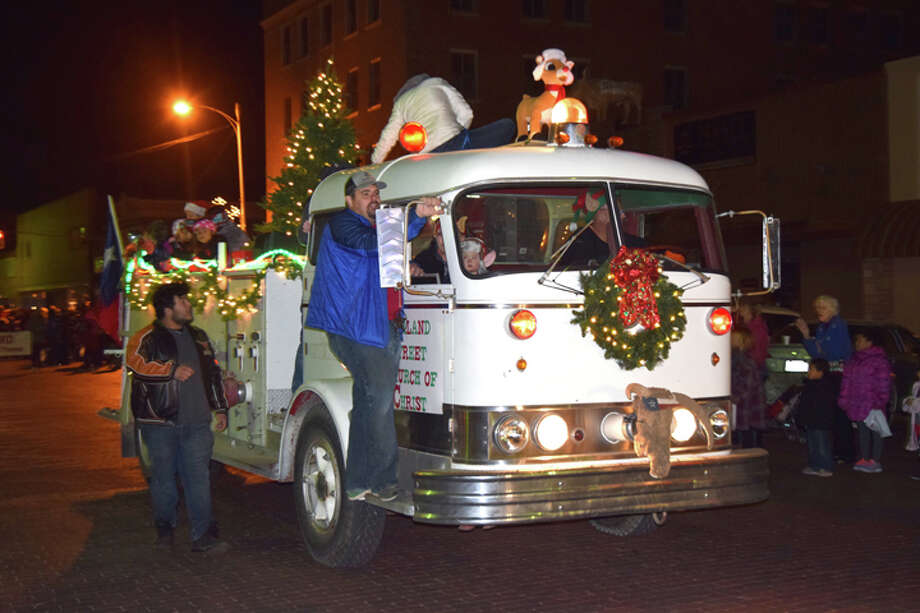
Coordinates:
column 467, row 497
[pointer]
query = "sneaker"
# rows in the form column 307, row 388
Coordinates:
column 358, row 494
column 824, row 473
column 164, row 536
column 388, row 493
column 862, row 466
column 873, row 467
column 808, row 470
column 209, row 544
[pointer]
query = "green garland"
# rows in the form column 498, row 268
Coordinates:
column 206, row 284
column 630, row 348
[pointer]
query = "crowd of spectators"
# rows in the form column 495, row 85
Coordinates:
column 195, row 236
column 60, row 336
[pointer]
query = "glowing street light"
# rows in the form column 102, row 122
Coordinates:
column 182, row 107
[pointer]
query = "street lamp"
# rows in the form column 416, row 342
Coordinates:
column 181, row 107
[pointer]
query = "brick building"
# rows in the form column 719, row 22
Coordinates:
column 781, row 104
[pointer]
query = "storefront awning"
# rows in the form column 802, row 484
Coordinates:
column 892, row 231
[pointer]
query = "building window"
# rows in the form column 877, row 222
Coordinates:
column 675, row 87
column 287, row 115
column 285, row 45
column 351, row 16
column 858, row 25
column 325, row 25
column 373, row 84
column 576, row 11
column 817, row 25
column 891, row 31
column 373, row 11
column 351, row 91
column 784, row 22
column 304, row 37
column 675, row 15
column 534, row 9
column 470, row 7
column 463, row 73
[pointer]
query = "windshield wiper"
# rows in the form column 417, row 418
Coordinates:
column 557, row 256
column 704, row 278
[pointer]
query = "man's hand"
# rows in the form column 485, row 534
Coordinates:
column 428, row 206
column 415, row 270
column 220, row 422
column 306, row 226
column 803, row 327
column 184, row 372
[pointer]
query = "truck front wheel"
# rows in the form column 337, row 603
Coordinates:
column 338, row 532
column 629, row 525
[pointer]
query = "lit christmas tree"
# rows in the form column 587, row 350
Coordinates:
column 322, row 137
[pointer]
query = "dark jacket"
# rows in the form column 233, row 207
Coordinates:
column 818, row 404
column 151, row 359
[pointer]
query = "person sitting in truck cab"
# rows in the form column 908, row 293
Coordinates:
column 476, row 259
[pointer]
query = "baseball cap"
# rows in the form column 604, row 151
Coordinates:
column 360, row 180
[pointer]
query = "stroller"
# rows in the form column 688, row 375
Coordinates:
column 784, row 411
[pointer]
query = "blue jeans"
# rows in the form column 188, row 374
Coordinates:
column 186, row 449
column 494, row 134
column 820, row 452
column 372, row 449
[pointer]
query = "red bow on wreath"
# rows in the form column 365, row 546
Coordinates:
column 636, row 272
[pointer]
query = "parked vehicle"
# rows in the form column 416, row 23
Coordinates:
column 788, row 361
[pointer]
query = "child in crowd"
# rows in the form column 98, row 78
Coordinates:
column 747, row 391
column 865, row 389
column 817, row 406
column 476, row 260
column 236, row 237
column 182, row 242
column 207, row 239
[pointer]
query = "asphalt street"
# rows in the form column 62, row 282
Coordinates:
column 76, row 535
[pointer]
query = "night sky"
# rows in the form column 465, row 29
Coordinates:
column 90, row 82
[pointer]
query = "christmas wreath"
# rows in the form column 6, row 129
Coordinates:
column 631, row 311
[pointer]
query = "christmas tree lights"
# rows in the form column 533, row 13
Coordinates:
column 322, row 137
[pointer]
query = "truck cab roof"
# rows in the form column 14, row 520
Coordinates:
column 425, row 174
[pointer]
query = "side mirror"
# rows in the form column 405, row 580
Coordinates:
column 770, row 251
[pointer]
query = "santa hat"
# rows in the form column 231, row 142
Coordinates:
column 191, row 207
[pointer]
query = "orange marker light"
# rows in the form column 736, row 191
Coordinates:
column 412, row 137
column 523, row 324
column 522, row 364
column 615, row 142
column 720, row 321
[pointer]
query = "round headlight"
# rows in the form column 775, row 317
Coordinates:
column 511, row 434
column 613, row 427
column 551, row 432
column 719, row 422
column 683, row 425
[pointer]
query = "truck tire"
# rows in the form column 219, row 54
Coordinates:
column 629, row 525
column 338, row 532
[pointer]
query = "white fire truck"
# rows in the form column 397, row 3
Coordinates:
column 497, row 423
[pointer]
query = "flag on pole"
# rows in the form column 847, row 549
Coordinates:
column 110, row 282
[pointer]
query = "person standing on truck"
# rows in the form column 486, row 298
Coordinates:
column 362, row 321
column 831, row 342
column 176, row 385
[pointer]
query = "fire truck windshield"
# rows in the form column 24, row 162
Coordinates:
column 505, row 230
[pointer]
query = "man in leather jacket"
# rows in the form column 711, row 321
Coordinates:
column 175, row 386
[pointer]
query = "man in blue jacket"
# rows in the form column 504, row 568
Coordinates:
column 361, row 320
